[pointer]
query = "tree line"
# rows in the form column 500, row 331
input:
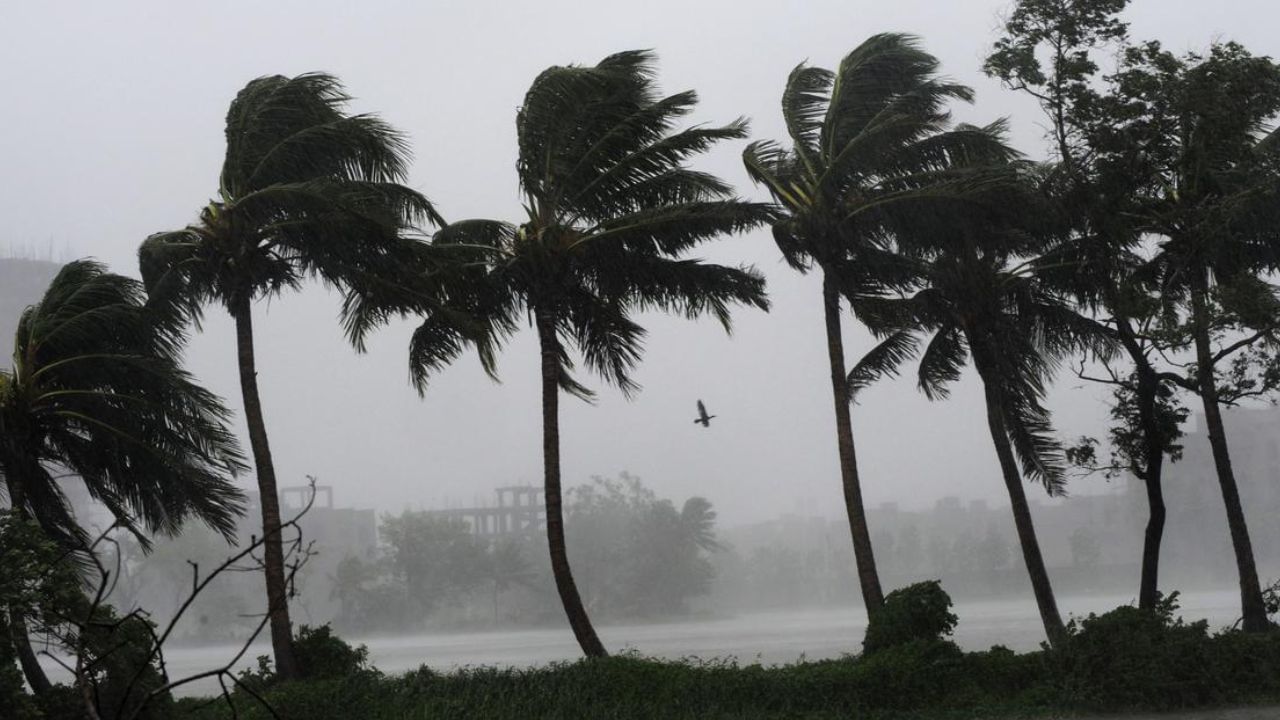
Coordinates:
column 1142, row 249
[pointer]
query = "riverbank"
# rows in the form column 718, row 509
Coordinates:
column 1126, row 661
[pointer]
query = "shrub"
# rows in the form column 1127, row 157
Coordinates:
column 920, row 612
column 1135, row 658
column 321, row 654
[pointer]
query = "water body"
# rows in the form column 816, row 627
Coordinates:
column 768, row 638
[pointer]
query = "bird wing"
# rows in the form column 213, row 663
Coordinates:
column 702, row 409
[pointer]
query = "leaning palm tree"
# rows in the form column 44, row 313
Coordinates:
column 611, row 211
column 868, row 141
column 97, row 393
column 979, row 296
column 307, row 190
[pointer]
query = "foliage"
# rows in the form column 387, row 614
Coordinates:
column 637, row 555
column 118, row 657
column 613, row 212
column 321, row 654
column 1132, row 658
column 431, row 557
column 98, row 392
column 916, row 613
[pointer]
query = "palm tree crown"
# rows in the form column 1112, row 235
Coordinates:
column 611, row 212
column 97, row 392
column 305, row 189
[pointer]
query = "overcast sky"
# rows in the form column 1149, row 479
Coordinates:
column 113, row 130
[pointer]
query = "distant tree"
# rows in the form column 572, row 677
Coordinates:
column 869, row 141
column 612, row 212
column 640, row 555
column 98, row 393
column 507, row 568
column 306, row 190
column 433, row 559
column 348, row 586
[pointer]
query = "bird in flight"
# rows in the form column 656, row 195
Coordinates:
column 703, row 418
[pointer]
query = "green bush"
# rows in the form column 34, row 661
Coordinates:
column 321, row 654
column 920, row 612
column 1135, row 658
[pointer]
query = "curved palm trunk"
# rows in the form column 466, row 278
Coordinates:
column 569, row 597
column 1152, row 477
column 864, row 556
column 17, row 625
column 1048, row 606
column 1251, row 605
column 269, row 498
column 21, row 639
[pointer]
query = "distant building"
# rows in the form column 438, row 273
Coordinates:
column 336, row 531
column 520, row 512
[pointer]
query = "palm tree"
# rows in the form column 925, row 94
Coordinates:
column 980, row 296
column 611, row 210
column 97, row 393
column 307, row 190
column 868, row 141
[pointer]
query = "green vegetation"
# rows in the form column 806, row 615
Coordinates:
column 1125, row 660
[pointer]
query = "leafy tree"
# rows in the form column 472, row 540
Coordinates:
column 638, row 554
column 97, row 392
column 981, row 297
column 433, row 558
column 306, row 190
column 1048, row 51
column 869, row 141
column 611, row 214
column 1195, row 130
column 507, row 568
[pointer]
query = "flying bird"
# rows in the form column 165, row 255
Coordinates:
column 703, row 418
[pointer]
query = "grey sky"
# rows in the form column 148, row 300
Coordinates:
column 114, row 131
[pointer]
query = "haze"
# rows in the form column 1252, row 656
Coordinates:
column 114, row 131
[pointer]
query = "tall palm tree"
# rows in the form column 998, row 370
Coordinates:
column 97, row 393
column 307, row 190
column 980, row 297
column 868, row 141
column 611, row 211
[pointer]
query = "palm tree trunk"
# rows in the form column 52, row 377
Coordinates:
column 1251, row 605
column 21, row 639
column 269, row 498
column 18, row 633
column 1053, row 627
column 1152, row 477
column 569, row 597
column 864, row 556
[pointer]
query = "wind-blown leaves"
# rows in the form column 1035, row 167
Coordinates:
column 306, row 191
column 612, row 212
column 97, row 393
